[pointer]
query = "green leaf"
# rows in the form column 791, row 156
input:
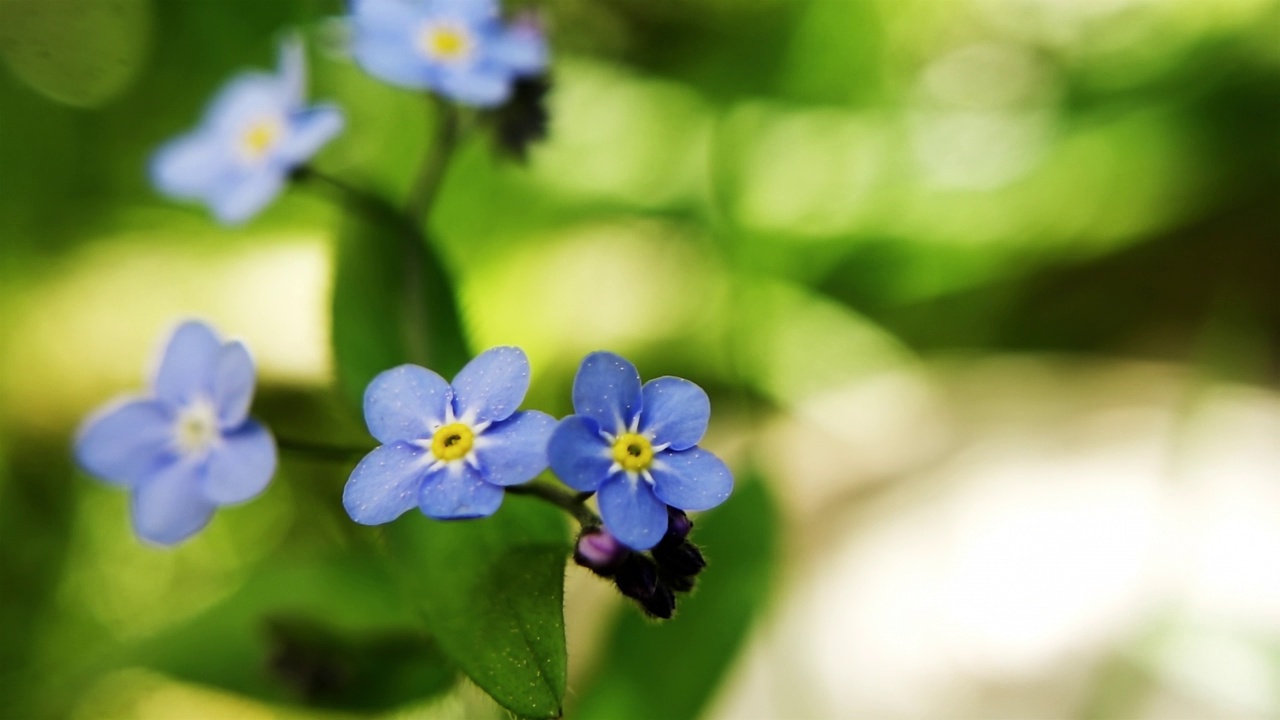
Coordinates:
column 671, row 669
column 492, row 591
column 393, row 301
column 79, row 52
column 37, row 514
column 334, row 633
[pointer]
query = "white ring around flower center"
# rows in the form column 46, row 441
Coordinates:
column 196, row 428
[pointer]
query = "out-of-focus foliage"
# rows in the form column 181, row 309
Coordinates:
column 810, row 207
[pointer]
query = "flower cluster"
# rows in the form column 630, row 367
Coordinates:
column 450, row 450
column 259, row 130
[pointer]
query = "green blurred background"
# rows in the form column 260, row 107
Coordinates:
column 986, row 294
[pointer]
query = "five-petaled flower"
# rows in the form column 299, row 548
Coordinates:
column 448, row 449
column 255, row 132
column 637, row 447
column 190, row 446
column 458, row 48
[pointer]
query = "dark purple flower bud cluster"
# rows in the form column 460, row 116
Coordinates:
column 651, row 579
column 524, row 118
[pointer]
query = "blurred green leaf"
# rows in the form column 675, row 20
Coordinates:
column 79, row 52
column 373, row 671
column 330, row 633
column 393, row 301
column 37, row 502
column 670, row 670
column 492, row 591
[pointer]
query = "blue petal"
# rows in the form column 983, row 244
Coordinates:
column 470, row 11
column 481, row 85
column 246, row 196
column 406, row 403
column 457, row 491
column 383, row 42
column 247, row 98
column 385, row 15
column 491, row 386
column 691, row 479
column 168, row 507
column 189, row 166
column 187, row 366
column 514, row 451
column 607, row 390
column 395, row 61
column 631, row 511
column 126, row 441
column 241, row 467
column 577, row 453
column 233, row 377
column 309, row 130
column 675, row 412
column 293, row 70
column 385, row 483
column 520, row 49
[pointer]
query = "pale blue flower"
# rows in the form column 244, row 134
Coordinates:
column 254, row 133
column 458, row 48
column 188, row 447
column 448, row 450
column 636, row 446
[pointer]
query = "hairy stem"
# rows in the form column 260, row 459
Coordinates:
column 570, row 502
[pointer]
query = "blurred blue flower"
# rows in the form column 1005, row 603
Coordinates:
column 637, row 447
column 254, row 133
column 458, row 48
column 448, row 449
column 190, row 446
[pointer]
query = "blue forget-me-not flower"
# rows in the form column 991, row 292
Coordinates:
column 254, row 133
column 636, row 446
column 448, row 450
column 458, row 48
column 188, row 447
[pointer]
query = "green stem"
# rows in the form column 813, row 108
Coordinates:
column 340, row 189
column 431, row 173
column 572, row 503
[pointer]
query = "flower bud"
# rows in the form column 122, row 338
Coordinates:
column 599, row 551
column 637, row 577
column 678, row 583
column 661, row 604
column 678, row 524
column 679, row 558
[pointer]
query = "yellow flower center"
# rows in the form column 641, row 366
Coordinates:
column 196, row 428
column 261, row 136
column 452, row 442
column 443, row 42
column 633, row 452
